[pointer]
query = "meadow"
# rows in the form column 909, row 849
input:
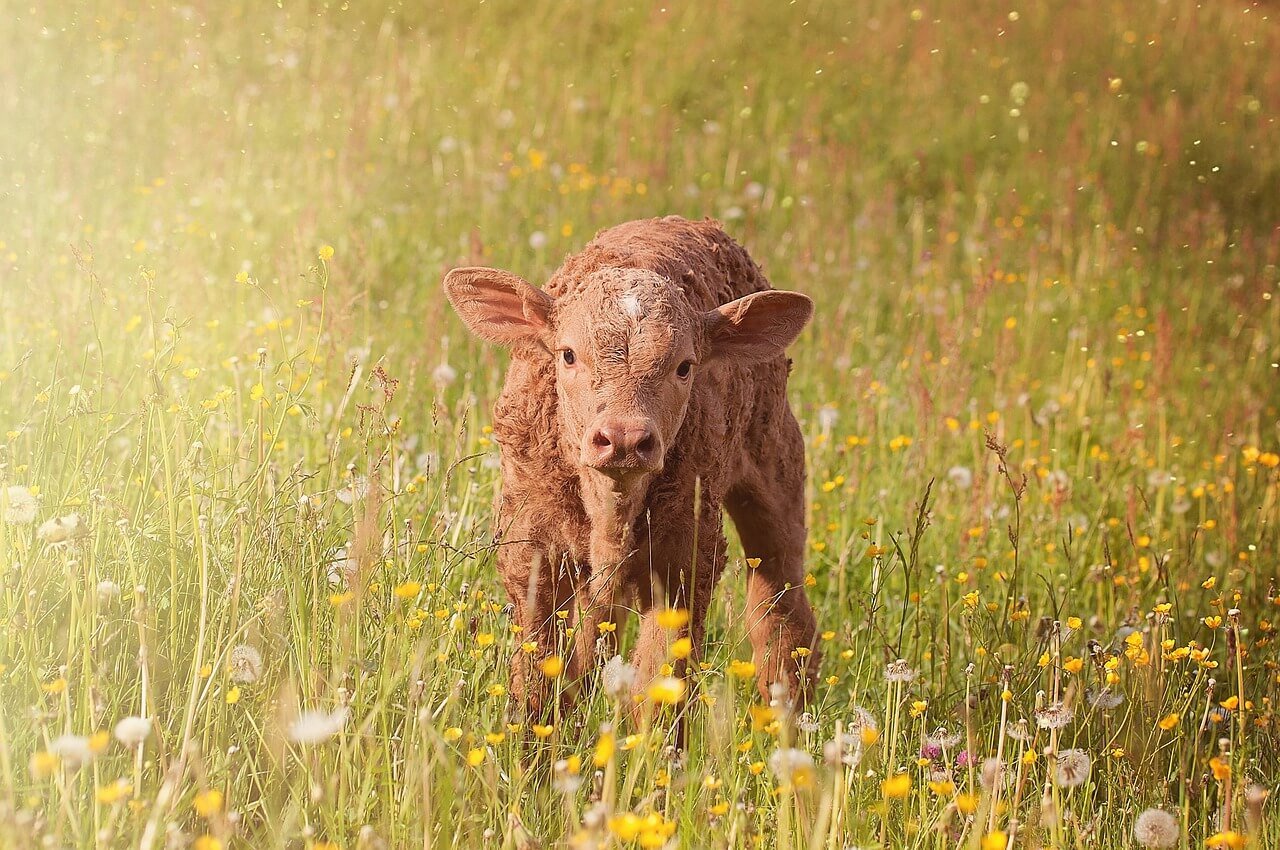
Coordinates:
column 247, row 588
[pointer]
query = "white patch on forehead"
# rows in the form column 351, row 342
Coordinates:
column 631, row 306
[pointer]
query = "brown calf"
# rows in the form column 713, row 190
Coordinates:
column 646, row 391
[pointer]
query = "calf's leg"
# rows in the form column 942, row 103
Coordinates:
column 767, row 508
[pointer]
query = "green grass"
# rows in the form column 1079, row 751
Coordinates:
column 1051, row 231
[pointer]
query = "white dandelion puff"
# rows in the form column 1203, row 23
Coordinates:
column 1072, row 768
column 1054, row 716
column 618, row 677
column 74, row 750
column 899, row 671
column 444, row 375
column 961, row 477
column 1156, row 828
column 245, row 664
column 132, row 731
column 20, row 506
column 62, row 529
column 791, row 765
column 317, row 726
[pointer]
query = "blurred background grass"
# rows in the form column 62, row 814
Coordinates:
column 1055, row 223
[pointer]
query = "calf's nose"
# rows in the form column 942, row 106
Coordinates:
column 622, row 444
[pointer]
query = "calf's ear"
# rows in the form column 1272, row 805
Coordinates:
column 755, row 327
column 498, row 306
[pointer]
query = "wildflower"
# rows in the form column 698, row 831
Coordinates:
column 73, row 750
column 475, row 756
column 996, row 840
column 42, row 765
column 681, row 648
column 1155, row 828
column 552, row 666
column 568, row 774
column 537, row 240
column 1221, row 768
column 444, row 375
column 807, row 723
column 317, row 726
column 207, row 803
column 1072, row 768
column 618, row 677
column 62, row 529
column 899, row 671
column 114, row 792
column 1054, row 716
column 108, row 590
column 132, row 731
column 667, row 690
column 1104, row 700
column 942, row 739
column 20, row 506
column 1228, row 840
column 673, row 618
column 1169, row 721
column 325, row 253
column 245, row 664
column 605, row 747
column 992, row 773
column 542, row 731
column 741, row 669
column 896, row 786
column 792, row 767
column 356, row 488
column 961, row 477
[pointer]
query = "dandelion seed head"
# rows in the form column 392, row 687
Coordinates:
column 132, row 731
column 1072, row 768
column 317, row 726
column 63, row 529
column 1155, row 828
column 899, row 671
column 21, row 505
column 245, row 664
column 618, row 677
column 74, row 750
column 1054, row 716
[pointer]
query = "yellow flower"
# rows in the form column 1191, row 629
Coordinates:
column 43, row 764
column 868, row 735
column 1073, row 665
column 919, row 707
column 681, row 648
column 208, row 803
column 996, row 840
column 484, row 639
column 1226, row 840
column 605, row 748
column 57, row 686
column 1221, row 768
column 552, row 666
column 495, row 738
column 1169, row 721
column 742, row 669
column 114, row 792
column 99, row 741
column 944, row 788
column 452, row 734
column 325, row 253
column 967, row 804
column 667, row 690
column 475, row 756
column 673, row 618
column 1231, row 703
column 233, row 695
column 896, row 786
column 408, row 589
column 543, row 731
column 206, row 842
column 606, row 628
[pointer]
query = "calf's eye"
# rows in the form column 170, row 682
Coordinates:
column 569, row 357
column 684, row 369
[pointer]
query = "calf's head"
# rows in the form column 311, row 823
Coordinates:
column 628, row 350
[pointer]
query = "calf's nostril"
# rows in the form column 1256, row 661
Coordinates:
column 646, row 445
column 601, row 440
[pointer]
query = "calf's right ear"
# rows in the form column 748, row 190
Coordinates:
column 499, row 306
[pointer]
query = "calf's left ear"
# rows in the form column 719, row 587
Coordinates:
column 499, row 306
column 755, row 327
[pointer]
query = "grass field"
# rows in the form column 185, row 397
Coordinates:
column 1041, row 398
